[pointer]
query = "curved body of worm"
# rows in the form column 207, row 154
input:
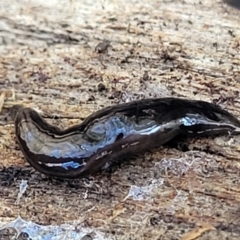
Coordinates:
column 114, row 133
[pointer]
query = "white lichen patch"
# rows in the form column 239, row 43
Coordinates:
column 144, row 192
column 38, row 232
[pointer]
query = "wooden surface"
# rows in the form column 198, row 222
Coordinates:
column 186, row 49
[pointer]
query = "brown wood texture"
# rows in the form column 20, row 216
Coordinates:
column 188, row 49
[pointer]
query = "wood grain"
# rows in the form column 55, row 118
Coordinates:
column 187, row 48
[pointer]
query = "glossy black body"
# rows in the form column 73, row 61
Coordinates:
column 114, row 133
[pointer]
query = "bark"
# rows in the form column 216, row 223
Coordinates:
column 51, row 60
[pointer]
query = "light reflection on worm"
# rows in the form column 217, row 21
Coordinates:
column 114, row 133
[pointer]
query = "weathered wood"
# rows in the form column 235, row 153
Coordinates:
column 160, row 48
